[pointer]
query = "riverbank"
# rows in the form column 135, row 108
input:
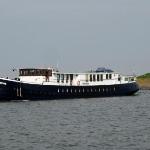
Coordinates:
column 144, row 81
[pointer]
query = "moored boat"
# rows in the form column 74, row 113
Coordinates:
column 47, row 84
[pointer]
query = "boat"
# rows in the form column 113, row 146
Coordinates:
column 50, row 84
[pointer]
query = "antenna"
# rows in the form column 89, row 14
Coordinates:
column 57, row 64
column 59, row 58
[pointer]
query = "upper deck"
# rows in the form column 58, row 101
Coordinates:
column 52, row 76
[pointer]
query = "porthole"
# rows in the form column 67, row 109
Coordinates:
column 114, row 89
column 83, row 90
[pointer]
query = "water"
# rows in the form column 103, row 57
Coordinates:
column 118, row 123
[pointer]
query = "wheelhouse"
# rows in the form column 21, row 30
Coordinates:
column 35, row 72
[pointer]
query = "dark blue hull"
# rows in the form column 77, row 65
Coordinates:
column 13, row 90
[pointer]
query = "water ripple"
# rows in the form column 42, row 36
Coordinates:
column 118, row 123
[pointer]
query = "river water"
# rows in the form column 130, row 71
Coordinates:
column 117, row 123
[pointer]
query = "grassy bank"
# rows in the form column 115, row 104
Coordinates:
column 144, row 81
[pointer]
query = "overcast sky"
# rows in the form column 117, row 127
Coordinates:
column 75, row 35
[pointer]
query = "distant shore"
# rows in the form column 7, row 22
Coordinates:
column 144, row 81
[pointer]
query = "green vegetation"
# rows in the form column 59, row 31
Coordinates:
column 145, row 76
column 144, row 81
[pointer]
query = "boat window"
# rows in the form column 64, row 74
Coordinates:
column 58, row 78
column 35, row 72
column 132, row 79
column 119, row 78
column 106, row 76
column 110, row 76
column 94, row 77
column 71, row 77
column 67, row 78
column 38, row 72
column 21, row 72
column 86, row 78
column 101, row 77
column 98, row 78
column 62, row 78
column 90, row 78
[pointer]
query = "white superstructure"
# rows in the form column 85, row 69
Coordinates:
column 54, row 77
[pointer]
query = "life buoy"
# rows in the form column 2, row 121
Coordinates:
column 78, row 83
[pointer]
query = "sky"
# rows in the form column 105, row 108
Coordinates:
column 75, row 35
